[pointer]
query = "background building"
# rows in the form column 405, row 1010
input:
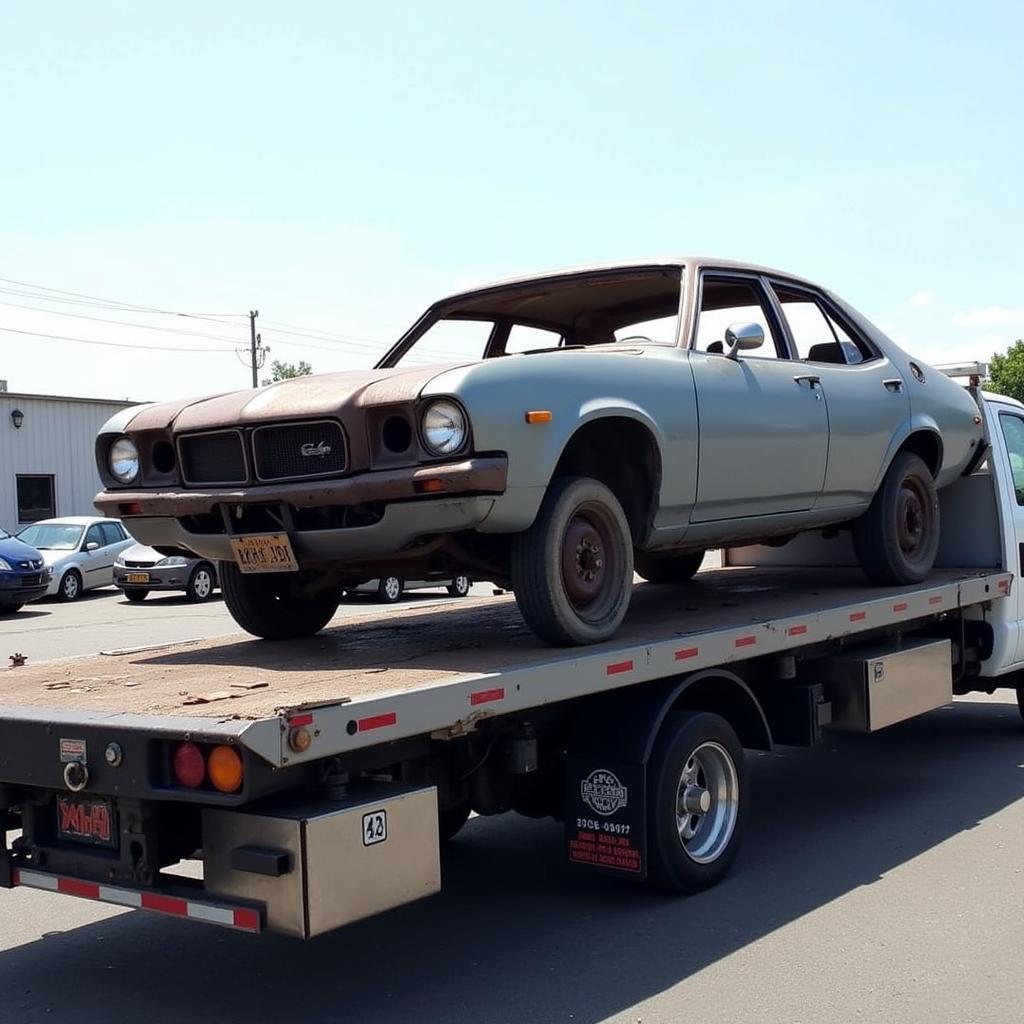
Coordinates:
column 47, row 465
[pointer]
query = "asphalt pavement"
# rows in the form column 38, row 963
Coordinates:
column 103, row 619
column 882, row 879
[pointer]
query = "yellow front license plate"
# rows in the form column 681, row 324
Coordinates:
column 137, row 577
column 265, row 552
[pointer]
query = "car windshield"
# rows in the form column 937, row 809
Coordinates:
column 52, row 536
column 607, row 308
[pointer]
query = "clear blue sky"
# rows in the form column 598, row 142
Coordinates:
column 338, row 165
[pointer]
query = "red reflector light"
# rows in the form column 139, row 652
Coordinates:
column 432, row 485
column 189, row 765
column 129, row 508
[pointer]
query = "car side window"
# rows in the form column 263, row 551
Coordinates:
column 449, row 340
column 818, row 335
column 93, row 536
column 725, row 301
column 524, row 338
column 111, row 534
column 1013, row 435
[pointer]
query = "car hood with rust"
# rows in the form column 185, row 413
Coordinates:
column 324, row 394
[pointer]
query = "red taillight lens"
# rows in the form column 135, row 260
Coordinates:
column 189, row 765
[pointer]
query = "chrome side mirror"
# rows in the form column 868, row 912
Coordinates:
column 741, row 337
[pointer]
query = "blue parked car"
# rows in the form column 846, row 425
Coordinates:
column 24, row 576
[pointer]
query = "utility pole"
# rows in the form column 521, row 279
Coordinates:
column 254, row 345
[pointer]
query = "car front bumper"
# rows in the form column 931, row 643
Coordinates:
column 163, row 578
column 20, row 588
column 416, row 502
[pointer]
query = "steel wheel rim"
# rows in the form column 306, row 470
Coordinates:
column 70, row 586
column 707, row 802
column 589, row 561
column 202, row 584
column 913, row 517
column 462, row 584
column 393, row 588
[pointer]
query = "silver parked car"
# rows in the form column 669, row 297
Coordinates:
column 551, row 433
column 139, row 569
column 80, row 551
column 389, row 589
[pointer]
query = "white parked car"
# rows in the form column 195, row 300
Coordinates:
column 389, row 589
column 139, row 569
column 80, row 550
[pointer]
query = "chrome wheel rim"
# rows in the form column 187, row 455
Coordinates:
column 202, row 584
column 707, row 802
column 393, row 588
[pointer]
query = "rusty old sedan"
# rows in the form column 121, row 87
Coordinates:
column 554, row 434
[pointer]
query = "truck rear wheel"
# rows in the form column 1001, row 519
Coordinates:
column 897, row 538
column 668, row 568
column 572, row 570
column 268, row 606
column 696, row 801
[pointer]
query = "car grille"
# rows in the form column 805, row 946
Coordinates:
column 138, row 565
column 37, row 579
column 214, row 458
column 298, row 451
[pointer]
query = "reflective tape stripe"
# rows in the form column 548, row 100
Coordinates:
column 618, row 667
column 486, row 696
column 215, row 915
column 796, row 631
column 746, row 641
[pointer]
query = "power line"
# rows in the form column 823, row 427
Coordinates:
column 122, row 323
column 317, row 335
column 112, row 344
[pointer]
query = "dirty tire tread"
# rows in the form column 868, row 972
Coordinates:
column 269, row 618
column 874, row 537
column 536, row 568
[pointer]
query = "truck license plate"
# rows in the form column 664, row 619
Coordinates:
column 88, row 821
column 264, row 552
column 137, row 577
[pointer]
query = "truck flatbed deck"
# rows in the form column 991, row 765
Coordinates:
column 476, row 659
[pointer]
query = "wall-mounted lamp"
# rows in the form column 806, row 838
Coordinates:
column 17, row 418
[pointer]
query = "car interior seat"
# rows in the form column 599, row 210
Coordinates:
column 826, row 352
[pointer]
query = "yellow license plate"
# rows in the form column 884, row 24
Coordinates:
column 137, row 577
column 264, row 552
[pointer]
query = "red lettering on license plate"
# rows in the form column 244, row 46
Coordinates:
column 81, row 820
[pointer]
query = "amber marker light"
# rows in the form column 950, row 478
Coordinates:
column 432, row 485
column 225, row 769
column 539, row 416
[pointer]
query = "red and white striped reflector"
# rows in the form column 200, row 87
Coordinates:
column 245, row 919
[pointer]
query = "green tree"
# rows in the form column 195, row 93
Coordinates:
column 1006, row 372
column 286, row 371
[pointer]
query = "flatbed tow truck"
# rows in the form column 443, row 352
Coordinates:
column 314, row 782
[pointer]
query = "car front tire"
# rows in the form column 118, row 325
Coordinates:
column 136, row 594
column 572, row 570
column 70, row 586
column 200, row 584
column 897, row 539
column 269, row 607
column 459, row 587
column 389, row 590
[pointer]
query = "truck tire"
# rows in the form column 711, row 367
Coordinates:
column 696, row 801
column 667, row 568
column 389, row 590
column 572, row 570
column 897, row 538
column 136, row 593
column 263, row 606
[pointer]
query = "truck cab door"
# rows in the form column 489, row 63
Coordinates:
column 763, row 428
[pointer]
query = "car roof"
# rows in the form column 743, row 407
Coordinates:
column 625, row 266
column 72, row 521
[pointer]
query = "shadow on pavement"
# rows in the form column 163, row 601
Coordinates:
column 516, row 936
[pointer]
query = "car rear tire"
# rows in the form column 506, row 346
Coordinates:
column 572, row 570
column 459, row 587
column 136, row 593
column 268, row 606
column 896, row 540
column 70, row 586
column 200, row 584
column 389, row 590
column 667, row 568
column 697, row 800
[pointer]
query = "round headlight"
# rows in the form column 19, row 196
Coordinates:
column 123, row 460
column 444, row 427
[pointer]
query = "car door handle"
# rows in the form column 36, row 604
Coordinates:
column 894, row 384
column 811, row 379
